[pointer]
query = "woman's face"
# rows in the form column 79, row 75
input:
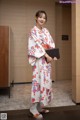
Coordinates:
column 41, row 19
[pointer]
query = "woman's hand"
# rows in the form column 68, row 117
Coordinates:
column 55, row 58
column 49, row 59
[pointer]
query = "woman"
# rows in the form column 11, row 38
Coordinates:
column 40, row 40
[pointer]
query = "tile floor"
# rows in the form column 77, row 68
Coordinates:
column 20, row 96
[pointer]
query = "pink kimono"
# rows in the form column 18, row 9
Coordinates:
column 41, row 81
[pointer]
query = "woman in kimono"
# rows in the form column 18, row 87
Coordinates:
column 40, row 40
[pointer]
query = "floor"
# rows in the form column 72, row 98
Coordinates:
column 20, row 96
column 56, row 113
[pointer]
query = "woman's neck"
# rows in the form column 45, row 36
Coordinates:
column 38, row 26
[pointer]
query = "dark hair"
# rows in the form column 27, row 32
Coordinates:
column 38, row 14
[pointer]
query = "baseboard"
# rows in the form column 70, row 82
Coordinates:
column 16, row 83
column 22, row 83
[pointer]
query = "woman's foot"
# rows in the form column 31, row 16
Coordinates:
column 35, row 113
column 38, row 116
column 41, row 109
column 44, row 111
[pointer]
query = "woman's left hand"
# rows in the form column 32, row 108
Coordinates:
column 55, row 58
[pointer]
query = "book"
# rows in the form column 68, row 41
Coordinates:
column 53, row 53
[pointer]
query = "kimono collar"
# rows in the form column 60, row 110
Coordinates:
column 38, row 28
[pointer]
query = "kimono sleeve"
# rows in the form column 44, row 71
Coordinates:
column 51, row 42
column 35, row 49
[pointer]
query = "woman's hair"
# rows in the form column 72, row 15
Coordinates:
column 39, row 13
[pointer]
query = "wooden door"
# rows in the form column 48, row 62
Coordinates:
column 4, row 50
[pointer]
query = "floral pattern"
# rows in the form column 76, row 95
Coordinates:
column 41, row 80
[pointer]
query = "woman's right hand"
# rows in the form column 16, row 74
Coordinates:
column 49, row 59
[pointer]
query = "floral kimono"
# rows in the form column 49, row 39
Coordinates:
column 39, row 40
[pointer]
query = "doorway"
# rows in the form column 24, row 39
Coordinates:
column 63, row 41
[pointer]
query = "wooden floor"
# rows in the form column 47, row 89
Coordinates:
column 56, row 113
